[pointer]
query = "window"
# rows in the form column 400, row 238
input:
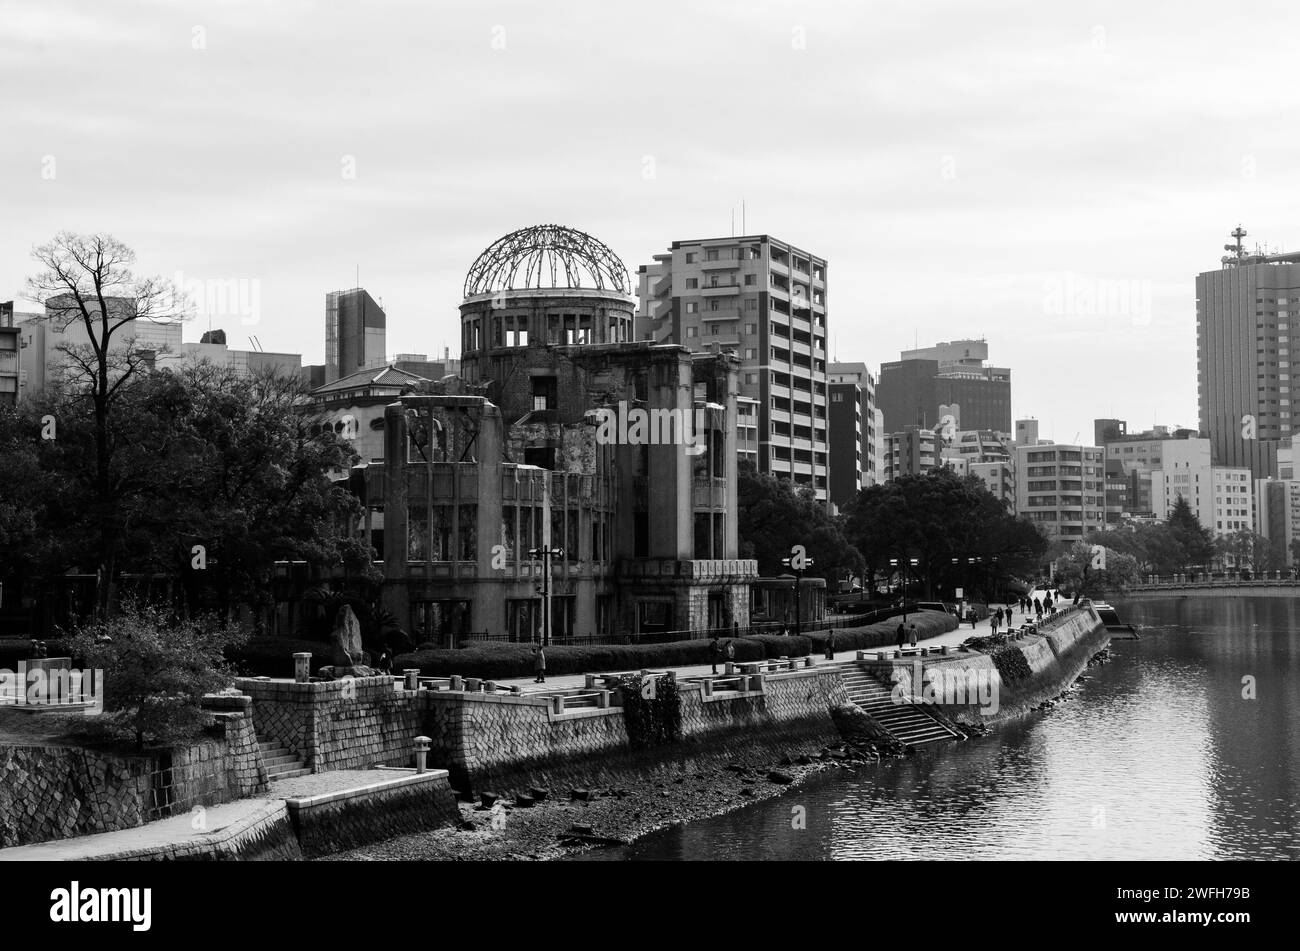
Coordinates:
column 751, row 354
column 751, row 304
column 749, row 280
column 692, row 283
column 692, row 307
column 751, row 328
column 690, row 258
column 711, row 254
column 692, row 331
column 544, row 393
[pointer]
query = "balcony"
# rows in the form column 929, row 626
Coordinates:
column 725, row 312
column 720, row 290
column 722, row 264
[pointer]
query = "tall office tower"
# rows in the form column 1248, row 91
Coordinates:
column 354, row 333
column 766, row 300
column 925, row 385
column 1244, row 312
column 852, row 418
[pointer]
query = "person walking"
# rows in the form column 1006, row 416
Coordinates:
column 902, row 635
column 830, row 645
column 539, row 665
column 1038, row 609
column 994, row 621
column 911, row 631
column 730, row 651
column 715, row 652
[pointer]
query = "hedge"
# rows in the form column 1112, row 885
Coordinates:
column 496, row 661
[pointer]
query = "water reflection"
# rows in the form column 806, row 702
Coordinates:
column 1156, row 756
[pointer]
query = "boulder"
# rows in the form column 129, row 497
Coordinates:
column 776, row 776
column 488, row 799
column 539, row 793
column 582, row 795
column 345, row 639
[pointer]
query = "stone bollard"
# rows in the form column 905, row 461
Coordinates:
column 809, row 661
column 943, row 649
column 925, row 651
column 412, row 675
column 880, row 655
column 490, row 686
column 472, row 684
column 756, row 683
column 793, row 664
column 302, row 667
column 897, row 654
column 457, row 683
column 602, row 700
column 729, row 668
column 557, row 704
column 591, row 680
column 422, row 744
column 708, row 687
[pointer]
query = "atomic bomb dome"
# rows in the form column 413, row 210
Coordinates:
column 545, row 257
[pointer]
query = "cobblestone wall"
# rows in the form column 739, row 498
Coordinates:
column 56, row 792
column 346, row 724
column 336, row 824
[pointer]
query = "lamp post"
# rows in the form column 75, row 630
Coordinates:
column 904, row 563
column 797, row 562
column 546, row 554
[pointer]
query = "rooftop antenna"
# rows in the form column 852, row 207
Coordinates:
column 1238, row 233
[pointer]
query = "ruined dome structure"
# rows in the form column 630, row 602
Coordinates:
column 546, row 257
column 536, row 289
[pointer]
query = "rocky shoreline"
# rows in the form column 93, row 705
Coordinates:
column 566, row 822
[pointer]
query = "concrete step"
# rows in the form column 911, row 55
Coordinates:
column 281, row 768
column 290, row 774
column 281, row 759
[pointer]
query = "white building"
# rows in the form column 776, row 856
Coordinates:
column 1221, row 497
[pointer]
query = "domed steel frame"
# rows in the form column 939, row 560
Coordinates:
column 526, row 259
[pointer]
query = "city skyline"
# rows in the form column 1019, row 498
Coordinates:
column 941, row 217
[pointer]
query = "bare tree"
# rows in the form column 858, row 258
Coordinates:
column 86, row 282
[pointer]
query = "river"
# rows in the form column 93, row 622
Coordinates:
column 1159, row 754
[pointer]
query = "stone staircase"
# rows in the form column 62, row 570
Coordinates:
column 911, row 724
column 281, row 762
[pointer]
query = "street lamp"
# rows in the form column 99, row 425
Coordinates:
column 546, row 554
column 894, row 563
column 797, row 562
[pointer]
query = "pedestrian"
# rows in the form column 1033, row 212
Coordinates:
column 730, row 651
column 830, row 645
column 994, row 621
column 902, row 635
column 1000, row 615
column 911, row 630
column 715, row 652
column 539, row 665
column 1038, row 609
column 972, row 617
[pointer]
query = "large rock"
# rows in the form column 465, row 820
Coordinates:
column 346, row 638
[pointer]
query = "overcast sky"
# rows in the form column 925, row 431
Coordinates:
column 1050, row 177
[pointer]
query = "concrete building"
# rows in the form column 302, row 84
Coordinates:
column 765, row 299
column 911, row 451
column 1221, row 497
column 999, row 478
column 420, row 365
column 1277, row 515
column 1027, row 432
column 852, row 431
column 881, row 445
column 10, row 344
column 927, row 384
column 355, row 330
column 1132, row 458
column 1062, row 488
column 1244, row 313
column 537, row 444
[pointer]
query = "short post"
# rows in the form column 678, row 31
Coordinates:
column 421, row 752
column 880, row 655
column 591, row 680
column 809, row 661
column 302, row 667
column 708, row 687
column 602, row 699
column 557, row 704
column 943, row 649
column 412, row 675
column 729, row 668
column 490, row 686
column 457, row 682
column 472, row 684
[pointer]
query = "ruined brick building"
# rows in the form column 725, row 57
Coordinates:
column 563, row 433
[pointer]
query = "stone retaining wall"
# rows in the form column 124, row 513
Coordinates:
column 265, row 835
column 56, row 792
column 411, row 802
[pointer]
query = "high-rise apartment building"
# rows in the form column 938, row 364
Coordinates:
column 852, row 418
column 1061, row 488
column 1244, row 313
column 765, row 300
column 948, row 379
column 911, row 451
column 355, row 328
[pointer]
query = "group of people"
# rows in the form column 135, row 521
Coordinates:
column 906, row 633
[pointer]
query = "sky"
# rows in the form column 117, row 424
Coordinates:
column 1048, row 177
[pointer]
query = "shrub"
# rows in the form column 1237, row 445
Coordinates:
column 1011, row 664
column 156, row 670
column 655, row 720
